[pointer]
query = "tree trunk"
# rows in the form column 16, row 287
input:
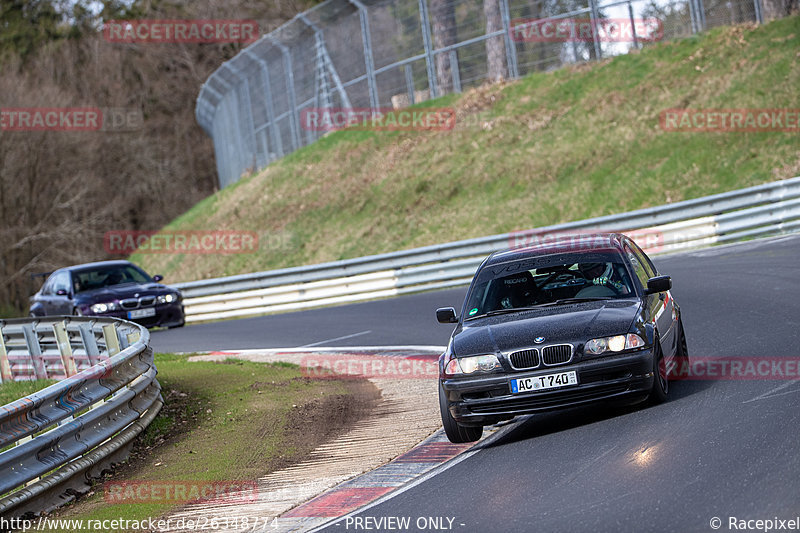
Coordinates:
column 443, row 22
column 497, row 66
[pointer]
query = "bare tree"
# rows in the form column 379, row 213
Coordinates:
column 443, row 22
column 497, row 66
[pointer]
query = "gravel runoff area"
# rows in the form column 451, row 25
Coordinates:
column 406, row 414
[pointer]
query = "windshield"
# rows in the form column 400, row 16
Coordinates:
column 97, row 278
column 548, row 281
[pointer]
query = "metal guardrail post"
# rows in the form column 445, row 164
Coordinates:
column 34, row 351
column 89, row 343
column 5, row 366
column 64, row 349
column 427, row 42
column 366, row 40
column 511, row 48
column 111, row 339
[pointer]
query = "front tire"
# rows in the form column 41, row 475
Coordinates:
column 658, row 394
column 455, row 431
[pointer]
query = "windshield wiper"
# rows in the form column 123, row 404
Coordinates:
column 502, row 312
column 578, row 300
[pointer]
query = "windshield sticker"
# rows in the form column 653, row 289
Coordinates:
column 472, row 312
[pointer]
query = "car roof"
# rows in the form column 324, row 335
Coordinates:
column 97, row 264
column 560, row 243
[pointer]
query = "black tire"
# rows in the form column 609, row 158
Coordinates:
column 682, row 354
column 76, row 312
column 455, row 431
column 658, row 394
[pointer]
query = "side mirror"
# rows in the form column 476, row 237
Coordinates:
column 659, row 284
column 446, row 315
column 62, row 292
column 157, row 278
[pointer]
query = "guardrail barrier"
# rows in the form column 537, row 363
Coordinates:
column 768, row 209
column 56, row 440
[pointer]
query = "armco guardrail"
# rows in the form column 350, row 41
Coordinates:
column 767, row 209
column 55, row 440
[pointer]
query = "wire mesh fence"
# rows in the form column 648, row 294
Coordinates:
column 388, row 54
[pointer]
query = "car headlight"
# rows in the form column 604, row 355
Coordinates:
column 104, row 307
column 470, row 365
column 617, row 343
column 167, row 298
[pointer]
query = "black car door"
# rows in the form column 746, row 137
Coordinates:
column 659, row 306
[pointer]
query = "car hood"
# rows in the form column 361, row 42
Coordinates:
column 120, row 292
column 573, row 323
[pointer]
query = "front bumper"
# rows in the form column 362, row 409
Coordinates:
column 167, row 315
column 487, row 399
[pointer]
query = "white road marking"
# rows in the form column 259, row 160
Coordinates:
column 337, row 339
column 770, row 393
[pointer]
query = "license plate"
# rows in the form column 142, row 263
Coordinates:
column 544, row 382
column 142, row 313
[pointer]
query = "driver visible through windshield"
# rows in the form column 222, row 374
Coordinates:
column 551, row 280
column 87, row 280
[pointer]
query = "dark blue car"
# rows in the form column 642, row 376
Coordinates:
column 117, row 289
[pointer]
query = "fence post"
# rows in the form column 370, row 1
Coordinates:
column 511, row 48
column 427, row 42
column 633, row 25
column 409, row 84
column 595, row 17
column 758, row 10
column 288, row 69
column 454, row 70
column 366, row 39
column 64, row 348
column 273, row 127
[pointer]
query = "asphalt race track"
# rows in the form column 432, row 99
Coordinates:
column 715, row 449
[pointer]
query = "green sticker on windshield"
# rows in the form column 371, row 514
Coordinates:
column 473, row 311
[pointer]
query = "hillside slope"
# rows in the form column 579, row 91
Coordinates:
column 553, row 147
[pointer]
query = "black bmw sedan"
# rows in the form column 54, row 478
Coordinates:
column 582, row 319
column 117, row 289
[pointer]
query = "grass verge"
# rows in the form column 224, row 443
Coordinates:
column 553, row 147
column 228, row 421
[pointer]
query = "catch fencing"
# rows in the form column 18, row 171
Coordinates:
column 56, row 440
column 375, row 55
column 769, row 209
